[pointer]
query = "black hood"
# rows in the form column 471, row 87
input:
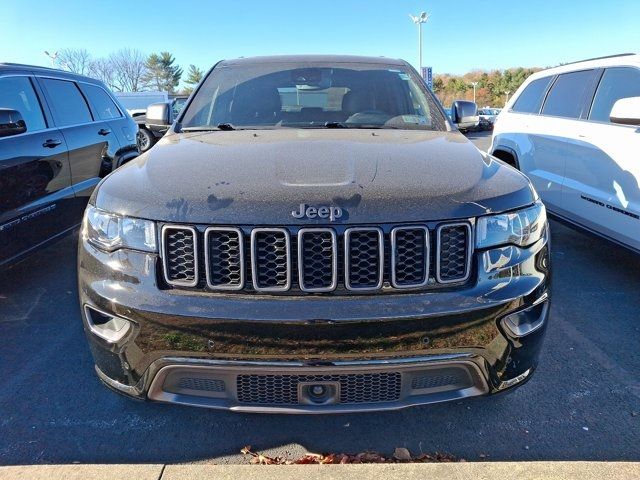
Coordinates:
column 256, row 177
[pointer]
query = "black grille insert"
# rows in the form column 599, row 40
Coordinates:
column 409, row 257
column 364, row 262
column 354, row 388
column 317, row 259
column 224, row 257
column 180, row 255
column 270, row 259
column 454, row 252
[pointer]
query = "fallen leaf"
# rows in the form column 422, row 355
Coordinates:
column 402, row 454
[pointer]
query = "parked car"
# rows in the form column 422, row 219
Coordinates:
column 139, row 101
column 574, row 130
column 487, row 118
column 148, row 134
column 60, row 133
column 313, row 235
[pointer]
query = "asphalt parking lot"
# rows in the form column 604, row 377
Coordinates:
column 582, row 404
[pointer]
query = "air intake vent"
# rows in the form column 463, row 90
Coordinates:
column 180, row 255
column 354, row 388
column 409, row 257
column 317, row 259
column 224, row 256
column 271, row 259
column 364, row 258
column 454, row 253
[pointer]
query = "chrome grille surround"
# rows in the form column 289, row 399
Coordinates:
column 190, row 257
column 302, row 265
column 394, row 256
column 237, row 264
column 386, row 257
column 255, row 266
column 468, row 251
column 349, row 260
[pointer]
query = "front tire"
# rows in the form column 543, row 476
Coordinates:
column 145, row 139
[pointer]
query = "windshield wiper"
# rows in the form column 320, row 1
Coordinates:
column 334, row 125
column 220, row 126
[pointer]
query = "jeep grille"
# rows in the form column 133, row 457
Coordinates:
column 317, row 260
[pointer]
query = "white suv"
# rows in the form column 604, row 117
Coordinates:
column 575, row 131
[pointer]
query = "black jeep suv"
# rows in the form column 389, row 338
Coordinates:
column 60, row 133
column 312, row 235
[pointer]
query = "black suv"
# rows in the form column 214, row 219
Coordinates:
column 60, row 133
column 313, row 235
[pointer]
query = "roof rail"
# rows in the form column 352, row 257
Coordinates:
column 24, row 65
column 600, row 58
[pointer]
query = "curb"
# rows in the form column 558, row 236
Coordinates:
column 409, row 471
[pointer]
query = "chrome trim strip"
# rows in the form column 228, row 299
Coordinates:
column 347, row 263
column 254, row 265
column 180, row 283
column 427, row 255
column 334, row 262
column 470, row 239
column 207, row 262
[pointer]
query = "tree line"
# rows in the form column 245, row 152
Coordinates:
column 492, row 88
column 130, row 70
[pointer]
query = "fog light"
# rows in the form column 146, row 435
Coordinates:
column 106, row 326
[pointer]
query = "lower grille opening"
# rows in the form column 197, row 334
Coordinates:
column 204, row 384
column 354, row 388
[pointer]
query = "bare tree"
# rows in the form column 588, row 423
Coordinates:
column 76, row 60
column 129, row 68
column 102, row 69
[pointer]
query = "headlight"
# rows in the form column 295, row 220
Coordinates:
column 523, row 227
column 110, row 232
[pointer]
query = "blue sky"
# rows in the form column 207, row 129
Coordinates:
column 460, row 36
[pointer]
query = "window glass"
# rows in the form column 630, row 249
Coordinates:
column 101, row 102
column 67, row 103
column 616, row 83
column 17, row 93
column 312, row 95
column 177, row 106
column 570, row 95
column 530, row 100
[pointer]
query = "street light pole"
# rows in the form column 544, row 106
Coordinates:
column 507, row 94
column 419, row 20
column 474, row 85
column 53, row 57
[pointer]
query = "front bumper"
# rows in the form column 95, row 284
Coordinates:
column 366, row 352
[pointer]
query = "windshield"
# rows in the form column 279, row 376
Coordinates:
column 351, row 95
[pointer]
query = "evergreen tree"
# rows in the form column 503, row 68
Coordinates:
column 162, row 74
column 194, row 76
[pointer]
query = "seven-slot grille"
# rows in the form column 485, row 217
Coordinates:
column 360, row 259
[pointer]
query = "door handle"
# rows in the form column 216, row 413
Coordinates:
column 52, row 143
column 104, row 131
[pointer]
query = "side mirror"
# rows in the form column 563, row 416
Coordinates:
column 626, row 111
column 11, row 123
column 464, row 114
column 159, row 115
